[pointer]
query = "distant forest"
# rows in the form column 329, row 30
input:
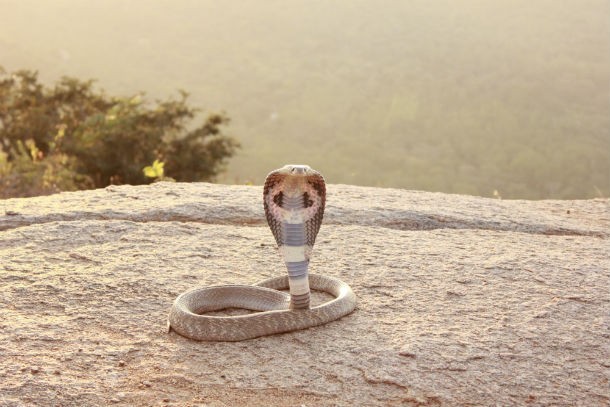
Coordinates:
column 507, row 98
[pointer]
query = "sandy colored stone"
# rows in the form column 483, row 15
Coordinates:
column 462, row 300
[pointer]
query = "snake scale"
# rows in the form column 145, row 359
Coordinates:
column 294, row 198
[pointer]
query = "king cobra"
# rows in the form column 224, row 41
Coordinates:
column 294, row 197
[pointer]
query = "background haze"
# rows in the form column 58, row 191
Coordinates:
column 462, row 97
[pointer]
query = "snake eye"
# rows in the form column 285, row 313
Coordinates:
column 278, row 199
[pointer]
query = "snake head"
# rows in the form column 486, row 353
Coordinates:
column 294, row 180
column 296, row 170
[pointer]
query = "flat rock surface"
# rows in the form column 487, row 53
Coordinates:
column 461, row 300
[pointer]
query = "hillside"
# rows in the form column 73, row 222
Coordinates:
column 506, row 96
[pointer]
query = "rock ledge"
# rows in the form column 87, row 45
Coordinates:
column 462, row 300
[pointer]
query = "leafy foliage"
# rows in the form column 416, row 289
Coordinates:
column 72, row 137
column 155, row 170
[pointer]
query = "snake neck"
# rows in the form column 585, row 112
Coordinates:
column 296, row 258
column 298, row 281
column 296, row 255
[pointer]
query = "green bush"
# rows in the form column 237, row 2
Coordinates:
column 70, row 136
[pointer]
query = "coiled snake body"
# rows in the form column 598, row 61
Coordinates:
column 294, row 197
